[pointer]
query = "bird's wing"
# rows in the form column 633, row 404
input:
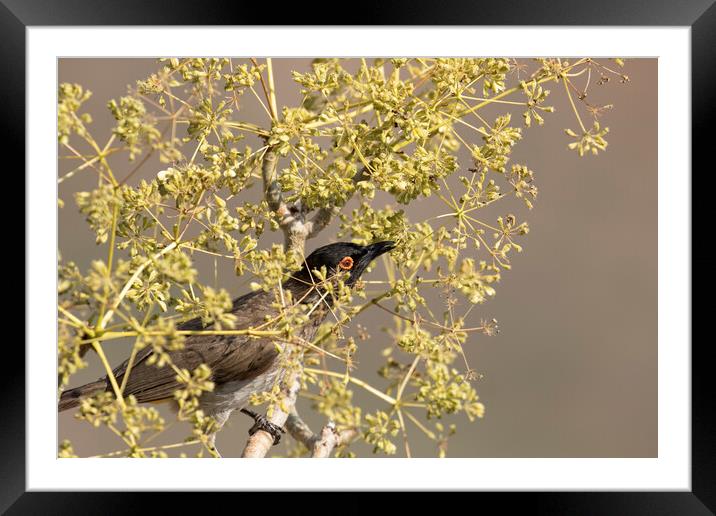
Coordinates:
column 230, row 357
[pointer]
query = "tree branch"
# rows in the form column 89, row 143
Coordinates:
column 291, row 218
column 296, row 231
column 272, row 190
column 261, row 442
column 298, row 429
column 320, row 220
column 322, row 445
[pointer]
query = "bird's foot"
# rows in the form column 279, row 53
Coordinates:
column 261, row 422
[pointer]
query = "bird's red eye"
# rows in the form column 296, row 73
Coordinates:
column 346, row 263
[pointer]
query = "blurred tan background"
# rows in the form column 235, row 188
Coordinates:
column 573, row 371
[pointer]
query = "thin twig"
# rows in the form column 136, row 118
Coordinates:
column 267, row 91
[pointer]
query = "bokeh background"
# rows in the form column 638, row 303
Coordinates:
column 573, row 371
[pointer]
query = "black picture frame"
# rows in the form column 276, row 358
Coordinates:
column 700, row 15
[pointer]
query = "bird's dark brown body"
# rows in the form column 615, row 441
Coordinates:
column 240, row 364
column 233, row 359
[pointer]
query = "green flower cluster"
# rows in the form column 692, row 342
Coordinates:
column 134, row 127
column 70, row 98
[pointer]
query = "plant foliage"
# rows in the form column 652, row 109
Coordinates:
column 363, row 127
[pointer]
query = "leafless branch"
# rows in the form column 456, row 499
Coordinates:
column 272, row 189
column 320, row 220
column 298, row 429
column 322, row 445
column 261, row 442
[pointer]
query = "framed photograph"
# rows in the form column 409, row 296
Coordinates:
column 456, row 247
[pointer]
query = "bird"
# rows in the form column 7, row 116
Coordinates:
column 240, row 365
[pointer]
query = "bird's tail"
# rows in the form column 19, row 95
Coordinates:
column 71, row 398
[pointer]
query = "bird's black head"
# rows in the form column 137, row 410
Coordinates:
column 345, row 256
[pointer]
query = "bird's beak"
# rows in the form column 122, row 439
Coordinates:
column 371, row 253
column 375, row 250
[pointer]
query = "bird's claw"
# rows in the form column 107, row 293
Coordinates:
column 261, row 422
